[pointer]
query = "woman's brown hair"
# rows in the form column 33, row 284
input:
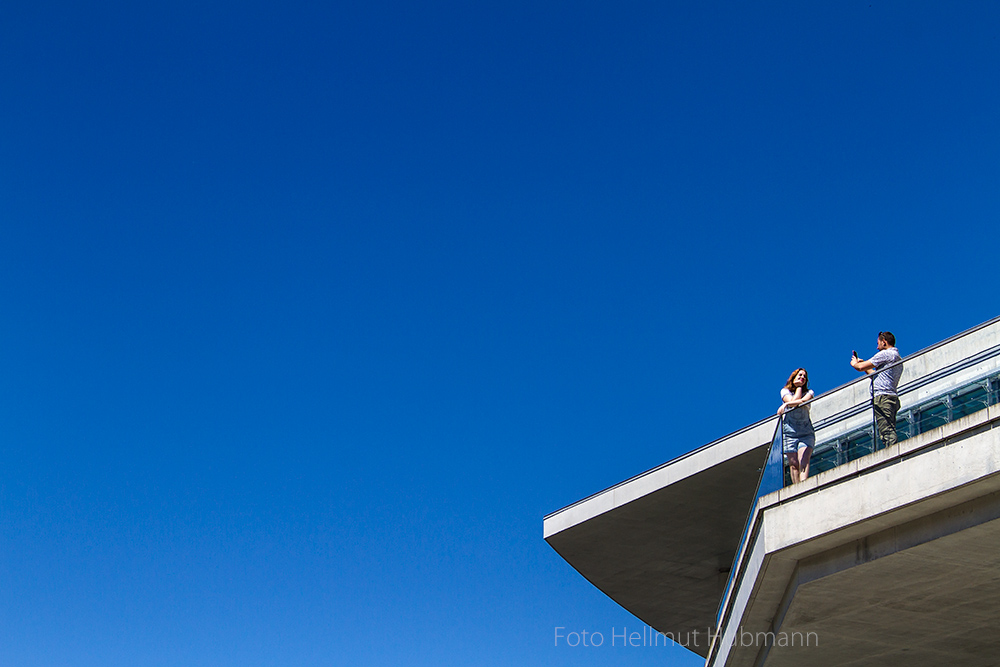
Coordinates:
column 790, row 385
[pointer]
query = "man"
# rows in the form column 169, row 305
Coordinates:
column 885, row 398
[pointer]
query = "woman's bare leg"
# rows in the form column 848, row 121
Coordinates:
column 793, row 466
column 804, row 455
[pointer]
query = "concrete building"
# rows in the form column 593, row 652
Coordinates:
column 884, row 556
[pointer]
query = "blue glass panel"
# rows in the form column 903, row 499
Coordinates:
column 932, row 416
column 774, row 470
column 969, row 402
column 824, row 459
column 903, row 426
column 859, row 444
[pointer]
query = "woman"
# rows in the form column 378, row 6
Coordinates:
column 797, row 430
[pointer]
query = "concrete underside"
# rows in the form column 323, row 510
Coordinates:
column 666, row 555
column 936, row 603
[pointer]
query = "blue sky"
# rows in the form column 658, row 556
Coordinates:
column 314, row 310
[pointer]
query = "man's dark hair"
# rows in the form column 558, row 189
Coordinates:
column 888, row 338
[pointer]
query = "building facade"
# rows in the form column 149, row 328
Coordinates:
column 885, row 555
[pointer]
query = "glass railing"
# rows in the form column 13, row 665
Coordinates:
column 933, row 391
column 911, row 421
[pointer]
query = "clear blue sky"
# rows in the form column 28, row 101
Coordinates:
column 312, row 311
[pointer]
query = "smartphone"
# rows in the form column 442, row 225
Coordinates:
column 855, row 353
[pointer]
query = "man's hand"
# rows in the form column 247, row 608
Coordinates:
column 862, row 365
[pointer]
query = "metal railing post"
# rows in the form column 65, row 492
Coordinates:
column 874, row 418
column 781, row 446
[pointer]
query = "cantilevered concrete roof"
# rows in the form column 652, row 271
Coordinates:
column 661, row 544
